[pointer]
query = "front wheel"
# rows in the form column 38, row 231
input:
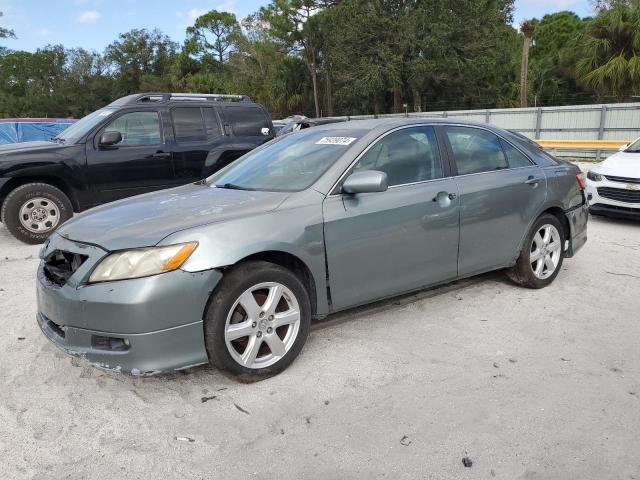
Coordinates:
column 33, row 211
column 257, row 321
column 542, row 254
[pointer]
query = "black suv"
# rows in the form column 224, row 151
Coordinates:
column 137, row 144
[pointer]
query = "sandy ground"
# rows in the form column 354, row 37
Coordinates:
column 527, row 384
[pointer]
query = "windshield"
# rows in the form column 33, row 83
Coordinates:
column 634, row 147
column 291, row 163
column 80, row 128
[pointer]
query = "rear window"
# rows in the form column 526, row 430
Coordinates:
column 188, row 124
column 247, row 120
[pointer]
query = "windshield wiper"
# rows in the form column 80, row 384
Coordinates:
column 232, row 186
column 58, row 140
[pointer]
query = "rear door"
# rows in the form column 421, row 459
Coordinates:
column 200, row 146
column 501, row 191
column 386, row 243
column 140, row 163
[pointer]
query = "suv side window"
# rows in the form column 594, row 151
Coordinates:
column 247, row 121
column 137, row 128
column 476, row 150
column 211, row 122
column 408, row 155
column 515, row 157
column 188, row 124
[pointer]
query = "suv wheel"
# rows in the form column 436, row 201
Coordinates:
column 542, row 254
column 33, row 211
column 257, row 320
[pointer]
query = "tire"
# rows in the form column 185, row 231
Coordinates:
column 260, row 327
column 49, row 209
column 527, row 273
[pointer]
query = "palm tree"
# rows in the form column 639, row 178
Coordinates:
column 610, row 51
column 527, row 28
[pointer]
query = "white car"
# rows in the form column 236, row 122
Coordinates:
column 613, row 186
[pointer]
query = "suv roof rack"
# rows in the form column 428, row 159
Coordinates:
column 165, row 97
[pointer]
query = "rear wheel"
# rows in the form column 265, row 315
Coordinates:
column 542, row 254
column 257, row 321
column 33, row 211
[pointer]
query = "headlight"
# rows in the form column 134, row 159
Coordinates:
column 142, row 262
column 596, row 177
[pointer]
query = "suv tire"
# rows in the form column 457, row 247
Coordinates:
column 541, row 258
column 33, row 211
column 271, row 311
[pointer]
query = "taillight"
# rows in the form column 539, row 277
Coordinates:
column 581, row 180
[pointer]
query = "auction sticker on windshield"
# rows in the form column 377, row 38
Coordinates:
column 336, row 141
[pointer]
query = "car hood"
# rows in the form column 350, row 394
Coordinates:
column 146, row 219
column 621, row 164
column 28, row 146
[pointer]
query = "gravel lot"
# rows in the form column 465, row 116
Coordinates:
column 527, row 384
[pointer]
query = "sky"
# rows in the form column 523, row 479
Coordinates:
column 93, row 24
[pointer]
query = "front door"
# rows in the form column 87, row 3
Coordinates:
column 500, row 192
column 386, row 243
column 140, row 163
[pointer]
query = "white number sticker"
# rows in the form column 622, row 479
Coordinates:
column 336, row 141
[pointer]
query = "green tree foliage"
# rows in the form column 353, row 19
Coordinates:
column 141, row 59
column 345, row 57
column 213, row 34
column 6, row 32
column 550, row 72
column 609, row 61
column 294, row 23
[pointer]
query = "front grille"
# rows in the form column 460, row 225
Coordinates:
column 622, row 179
column 60, row 265
column 620, row 194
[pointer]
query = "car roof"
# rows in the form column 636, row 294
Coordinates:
column 392, row 122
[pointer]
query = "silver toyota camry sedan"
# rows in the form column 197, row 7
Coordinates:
column 231, row 270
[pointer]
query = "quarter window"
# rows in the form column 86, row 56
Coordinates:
column 406, row 156
column 188, row 125
column 515, row 158
column 247, row 121
column 137, row 128
column 476, row 150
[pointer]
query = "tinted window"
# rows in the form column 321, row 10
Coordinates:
column 515, row 158
column 211, row 122
column 137, row 128
column 291, row 163
column 406, row 156
column 188, row 124
column 247, row 120
column 476, row 150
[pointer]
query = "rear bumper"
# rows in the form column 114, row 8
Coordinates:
column 578, row 218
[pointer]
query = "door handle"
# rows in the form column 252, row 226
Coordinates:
column 161, row 155
column 533, row 181
column 444, row 198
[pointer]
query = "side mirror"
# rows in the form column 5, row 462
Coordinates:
column 623, row 147
column 108, row 139
column 365, row 181
column 265, row 131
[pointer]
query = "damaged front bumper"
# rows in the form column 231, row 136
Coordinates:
column 141, row 326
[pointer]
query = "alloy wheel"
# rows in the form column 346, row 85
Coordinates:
column 546, row 249
column 262, row 325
